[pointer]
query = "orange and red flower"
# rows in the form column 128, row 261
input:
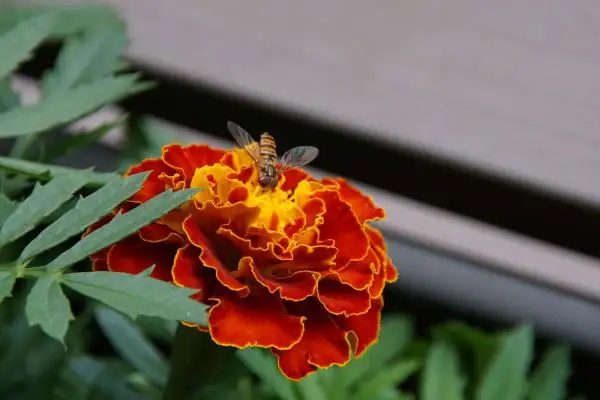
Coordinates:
column 297, row 269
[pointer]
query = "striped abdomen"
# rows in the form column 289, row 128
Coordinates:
column 268, row 161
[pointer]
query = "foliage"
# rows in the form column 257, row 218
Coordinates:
column 108, row 335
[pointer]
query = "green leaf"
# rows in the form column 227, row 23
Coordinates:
column 7, row 282
column 131, row 344
column 396, row 334
column 46, row 171
column 441, row 378
column 86, row 212
column 135, row 295
column 506, row 376
column 385, row 379
column 79, row 140
column 40, row 203
column 71, row 18
column 265, row 367
column 8, row 97
column 549, row 380
column 48, row 307
column 122, row 226
column 310, row 388
column 65, row 106
column 7, row 206
column 84, row 58
column 17, row 44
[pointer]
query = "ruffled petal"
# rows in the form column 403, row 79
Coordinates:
column 259, row 321
column 362, row 205
column 359, row 274
column 365, row 327
column 292, row 177
column 188, row 271
column 134, row 256
column 210, row 258
column 297, row 286
column 156, row 182
column 338, row 298
column 378, row 284
column 186, row 159
column 341, row 225
column 323, row 345
column 266, row 251
column 391, row 273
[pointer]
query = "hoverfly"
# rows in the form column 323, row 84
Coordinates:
column 264, row 154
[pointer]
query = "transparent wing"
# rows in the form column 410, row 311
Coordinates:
column 244, row 139
column 298, row 157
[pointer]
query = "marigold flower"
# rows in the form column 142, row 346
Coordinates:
column 297, row 269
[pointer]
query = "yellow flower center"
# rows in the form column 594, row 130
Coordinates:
column 275, row 201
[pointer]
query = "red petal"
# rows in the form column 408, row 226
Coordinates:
column 269, row 251
column 292, row 177
column 323, row 344
column 341, row 225
column 134, row 256
column 154, row 184
column 338, row 298
column 209, row 257
column 391, row 273
column 258, row 321
column 155, row 233
column 378, row 284
column 365, row 326
column 362, row 205
column 359, row 274
column 187, row 158
column 295, row 287
column 188, row 271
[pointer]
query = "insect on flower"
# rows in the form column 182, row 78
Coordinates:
column 264, row 155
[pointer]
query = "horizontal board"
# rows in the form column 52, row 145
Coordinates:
column 503, row 86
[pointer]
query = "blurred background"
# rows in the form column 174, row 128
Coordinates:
column 475, row 124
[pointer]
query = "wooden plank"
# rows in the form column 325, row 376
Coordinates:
column 506, row 86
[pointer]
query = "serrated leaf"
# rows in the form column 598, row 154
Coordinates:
column 138, row 295
column 68, row 105
column 441, row 378
column 17, row 44
column 84, row 58
column 7, row 282
column 549, row 381
column 48, row 307
column 70, row 18
column 79, row 140
column 506, row 375
column 265, row 367
column 122, row 226
column 47, row 171
column 86, row 212
column 40, row 203
column 7, row 206
column 385, row 379
column 131, row 344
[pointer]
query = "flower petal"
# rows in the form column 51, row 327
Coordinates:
column 391, row 273
column 362, row 205
column 187, row 159
column 294, row 287
column 188, row 271
column 341, row 225
column 269, row 251
column 155, row 183
column 365, row 327
column 292, row 177
column 323, row 345
column 259, row 321
column 359, row 274
column 134, row 256
column 157, row 232
column 378, row 284
column 338, row 298
column 210, row 258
